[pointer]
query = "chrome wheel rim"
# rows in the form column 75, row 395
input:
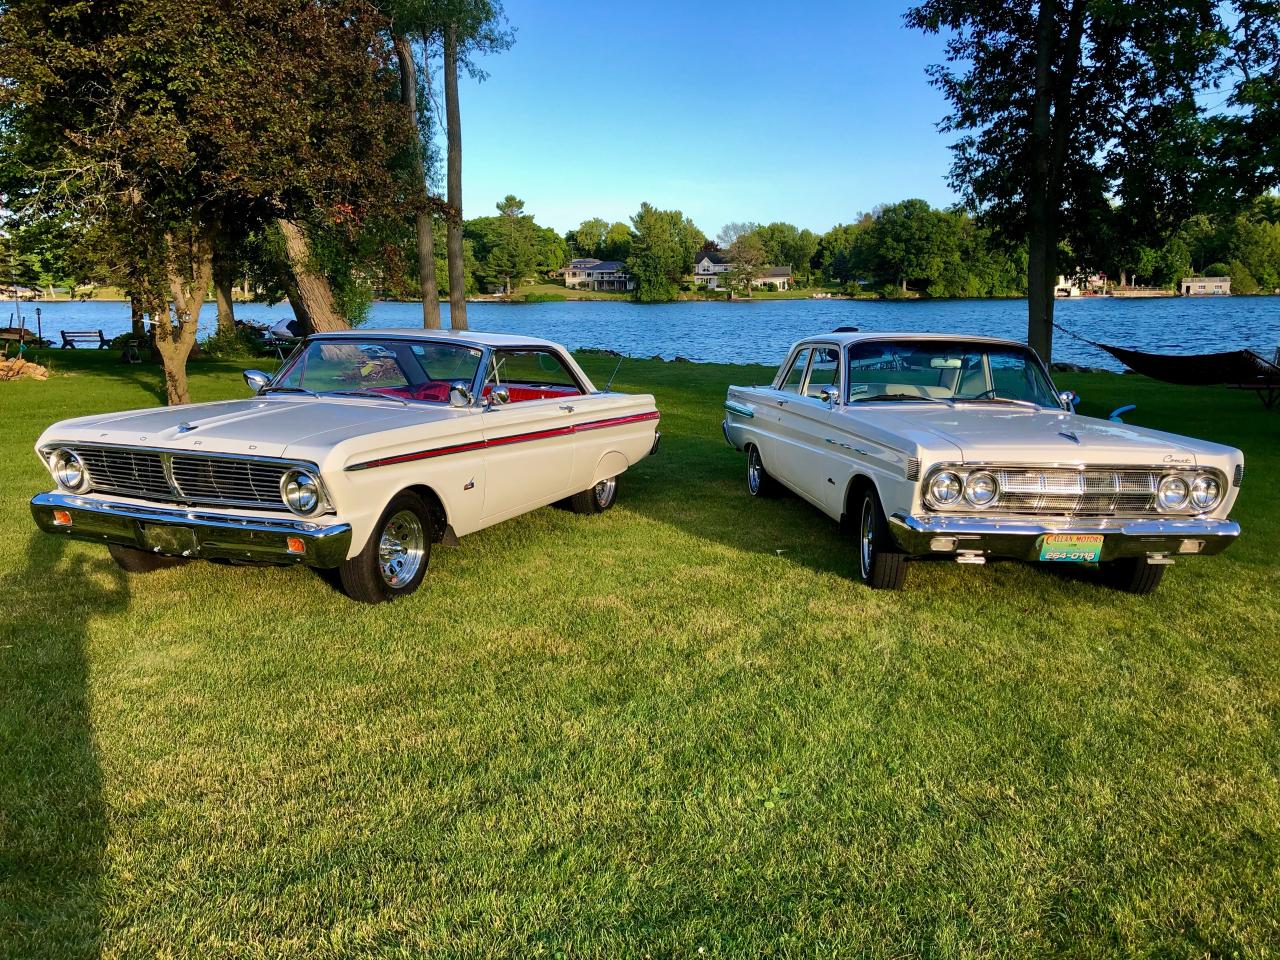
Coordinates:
column 753, row 471
column 604, row 491
column 867, row 538
column 401, row 549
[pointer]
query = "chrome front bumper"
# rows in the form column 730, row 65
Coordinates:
column 190, row 533
column 1019, row 538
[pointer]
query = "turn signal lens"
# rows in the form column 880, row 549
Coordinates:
column 296, row 545
column 62, row 518
column 1173, row 492
column 1205, row 492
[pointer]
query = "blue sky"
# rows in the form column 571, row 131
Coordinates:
column 805, row 112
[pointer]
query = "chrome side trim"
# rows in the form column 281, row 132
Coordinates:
column 740, row 409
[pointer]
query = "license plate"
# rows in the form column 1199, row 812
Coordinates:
column 174, row 541
column 1071, row 547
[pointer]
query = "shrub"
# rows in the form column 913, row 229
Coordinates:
column 239, row 344
column 542, row 297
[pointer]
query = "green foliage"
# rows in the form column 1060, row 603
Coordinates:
column 237, row 344
column 910, row 248
column 511, row 247
column 543, row 297
column 662, row 252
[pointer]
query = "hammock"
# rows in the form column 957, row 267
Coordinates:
column 1237, row 369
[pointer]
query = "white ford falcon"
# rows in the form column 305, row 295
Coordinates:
column 365, row 449
column 961, row 447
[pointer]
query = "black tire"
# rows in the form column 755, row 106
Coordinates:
column 133, row 560
column 597, row 499
column 759, row 482
column 407, row 523
column 1132, row 575
column 881, row 566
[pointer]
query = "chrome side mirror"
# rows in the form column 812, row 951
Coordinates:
column 828, row 394
column 257, row 380
column 460, row 395
column 498, row 396
column 1069, row 399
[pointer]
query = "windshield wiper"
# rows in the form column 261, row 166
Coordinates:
column 304, row 390
column 898, row 396
column 373, row 394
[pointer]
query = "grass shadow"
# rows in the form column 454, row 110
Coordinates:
column 53, row 830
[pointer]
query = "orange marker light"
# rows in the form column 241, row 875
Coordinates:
column 62, row 518
column 296, row 545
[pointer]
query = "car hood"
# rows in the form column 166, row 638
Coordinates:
column 1018, row 434
column 261, row 426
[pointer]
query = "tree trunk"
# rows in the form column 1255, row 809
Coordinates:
column 422, row 218
column 1039, row 238
column 190, row 270
column 224, row 278
column 319, row 312
column 457, row 275
column 136, row 326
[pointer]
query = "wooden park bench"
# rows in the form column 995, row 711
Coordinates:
column 71, row 337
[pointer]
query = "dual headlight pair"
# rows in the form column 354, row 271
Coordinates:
column 1177, row 492
column 299, row 488
column 980, row 489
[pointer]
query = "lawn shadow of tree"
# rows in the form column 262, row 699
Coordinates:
column 53, row 829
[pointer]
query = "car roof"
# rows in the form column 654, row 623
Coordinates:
column 860, row 336
column 471, row 338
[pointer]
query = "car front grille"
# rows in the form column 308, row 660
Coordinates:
column 185, row 478
column 1098, row 492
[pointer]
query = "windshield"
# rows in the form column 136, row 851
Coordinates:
column 942, row 370
column 410, row 370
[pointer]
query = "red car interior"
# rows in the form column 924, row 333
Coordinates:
column 438, row 390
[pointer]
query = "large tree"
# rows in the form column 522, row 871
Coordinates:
column 1064, row 104
column 464, row 30
column 662, row 252
column 156, row 124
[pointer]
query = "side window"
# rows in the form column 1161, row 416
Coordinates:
column 1009, row 374
column 530, row 375
column 824, row 374
column 794, row 376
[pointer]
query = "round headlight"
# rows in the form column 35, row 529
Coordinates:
column 1173, row 492
column 1205, row 492
column 68, row 470
column 981, row 489
column 945, row 488
column 301, row 491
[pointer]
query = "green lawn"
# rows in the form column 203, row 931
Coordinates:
column 679, row 729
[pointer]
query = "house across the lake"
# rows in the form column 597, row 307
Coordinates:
column 1205, row 286
column 709, row 264
column 588, row 273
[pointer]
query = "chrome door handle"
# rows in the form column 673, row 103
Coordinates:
column 567, row 408
column 782, row 403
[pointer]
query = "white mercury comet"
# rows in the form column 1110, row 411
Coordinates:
column 961, row 447
column 365, row 449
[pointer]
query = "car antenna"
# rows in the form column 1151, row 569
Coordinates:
column 621, row 357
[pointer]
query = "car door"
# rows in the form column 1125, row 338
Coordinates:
column 814, row 460
column 785, row 391
column 529, row 442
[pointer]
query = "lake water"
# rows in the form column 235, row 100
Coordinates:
column 760, row 331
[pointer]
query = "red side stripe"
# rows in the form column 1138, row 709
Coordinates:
column 504, row 441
